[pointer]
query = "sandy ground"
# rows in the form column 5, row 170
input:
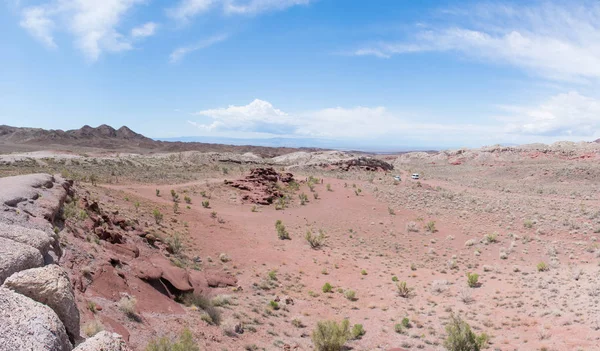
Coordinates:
column 499, row 221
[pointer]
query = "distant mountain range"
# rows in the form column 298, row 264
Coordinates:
column 105, row 137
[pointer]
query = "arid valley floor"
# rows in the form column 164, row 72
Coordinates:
column 141, row 231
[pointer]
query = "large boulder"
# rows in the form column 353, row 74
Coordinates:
column 15, row 257
column 32, row 237
column 18, row 189
column 51, row 286
column 29, row 325
column 104, row 341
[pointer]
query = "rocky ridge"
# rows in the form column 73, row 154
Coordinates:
column 37, row 301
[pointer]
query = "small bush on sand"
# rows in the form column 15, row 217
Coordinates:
column 186, row 343
column 461, row 338
column 331, row 336
column 327, row 288
column 358, row 331
column 315, row 241
column 542, row 267
column 187, row 199
column 174, row 244
column 206, row 204
column 350, row 295
column 473, row 280
column 92, row 328
column 157, row 192
column 127, row 306
column 281, row 231
column 303, row 199
column 430, row 227
column 403, row 289
column 211, row 315
column 158, row 217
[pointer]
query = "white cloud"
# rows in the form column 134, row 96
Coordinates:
column 258, row 6
column 358, row 123
column 556, row 42
column 187, row 9
column 179, row 53
column 37, row 23
column 565, row 115
column 145, row 30
column 93, row 23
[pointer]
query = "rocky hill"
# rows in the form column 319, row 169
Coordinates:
column 38, row 308
column 104, row 137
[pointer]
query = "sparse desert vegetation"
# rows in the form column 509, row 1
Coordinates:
column 399, row 260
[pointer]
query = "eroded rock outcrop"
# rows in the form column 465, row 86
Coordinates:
column 104, row 341
column 261, row 185
column 33, row 237
column 49, row 285
column 15, row 257
column 29, row 325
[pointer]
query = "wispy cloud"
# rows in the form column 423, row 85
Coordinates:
column 145, row 30
column 93, row 24
column 36, row 22
column 559, row 42
column 566, row 115
column 179, row 53
column 187, row 9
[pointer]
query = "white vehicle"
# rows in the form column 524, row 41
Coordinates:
column 415, row 176
column 397, row 178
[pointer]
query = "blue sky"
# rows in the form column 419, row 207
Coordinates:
column 383, row 72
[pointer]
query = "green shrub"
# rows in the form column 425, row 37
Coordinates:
column 273, row 275
column 212, row 315
column 331, row 336
column 403, row 289
column 357, row 331
column 363, row 272
column 350, row 295
column 303, row 199
column 398, row 328
column 461, row 338
column 281, row 231
column 157, row 192
column 491, row 238
column 186, row 343
column 394, row 279
column 327, row 288
column 542, row 267
column 405, row 323
column 187, row 199
column 274, row 305
column 206, row 204
column 315, row 241
column 473, row 280
column 430, row 227
column 528, row 224
column 158, row 217
column 174, row 244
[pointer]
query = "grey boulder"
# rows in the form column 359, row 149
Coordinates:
column 29, row 325
column 51, row 286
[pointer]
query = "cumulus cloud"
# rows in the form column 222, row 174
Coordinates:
column 145, row 30
column 565, row 115
column 179, row 53
column 187, row 9
column 357, row 123
column 93, row 23
column 560, row 42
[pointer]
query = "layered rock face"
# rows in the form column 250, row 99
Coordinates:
column 37, row 303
